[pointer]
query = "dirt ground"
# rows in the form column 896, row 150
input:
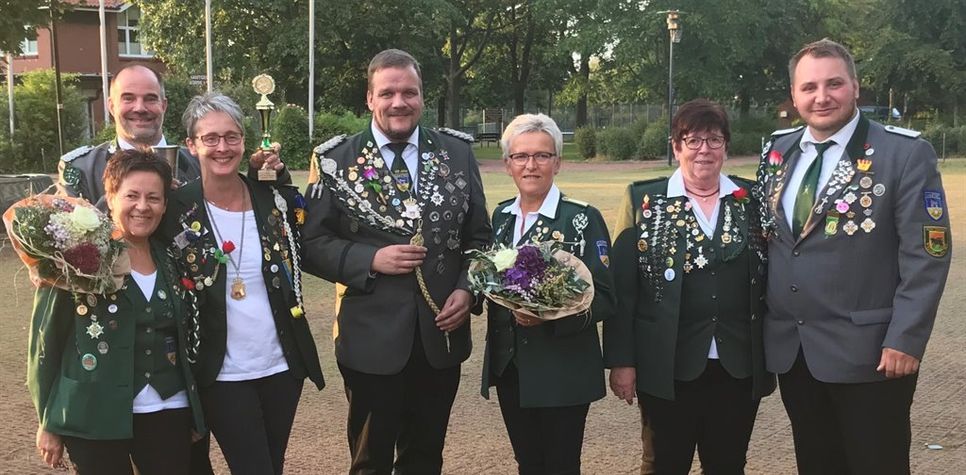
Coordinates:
column 477, row 441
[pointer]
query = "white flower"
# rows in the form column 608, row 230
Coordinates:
column 84, row 219
column 504, row 259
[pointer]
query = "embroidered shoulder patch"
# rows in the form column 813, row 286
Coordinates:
column 935, row 240
column 933, row 201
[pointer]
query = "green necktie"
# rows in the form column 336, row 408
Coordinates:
column 806, row 193
column 399, row 170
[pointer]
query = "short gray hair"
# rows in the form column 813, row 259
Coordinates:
column 202, row 105
column 526, row 123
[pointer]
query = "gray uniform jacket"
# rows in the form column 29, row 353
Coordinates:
column 81, row 171
column 871, row 264
column 356, row 209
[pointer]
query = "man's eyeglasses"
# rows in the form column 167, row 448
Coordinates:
column 694, row 143
column 212, row 140
column 523, row 158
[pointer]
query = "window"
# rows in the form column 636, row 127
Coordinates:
column 128, row 37
column 29, row 44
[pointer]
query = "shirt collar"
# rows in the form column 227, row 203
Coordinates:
column 675, row 185
column 382, row 140
column 547, row 209
column 125, row 145
column 841, row 137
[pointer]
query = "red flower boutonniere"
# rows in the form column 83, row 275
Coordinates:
column 227, row 247
column 187, row 283
column 775, row 161
column 740, row 195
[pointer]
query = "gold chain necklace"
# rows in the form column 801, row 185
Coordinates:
column 238, row 291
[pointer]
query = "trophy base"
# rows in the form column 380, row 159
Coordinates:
column 267, row 174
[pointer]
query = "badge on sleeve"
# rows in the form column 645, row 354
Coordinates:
column 933, row 201
column 602, row 252
column 934, row 240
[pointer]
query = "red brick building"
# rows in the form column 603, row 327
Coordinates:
column 79, row 48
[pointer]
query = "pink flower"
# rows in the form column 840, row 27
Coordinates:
column 370, row 173
column 775, row 159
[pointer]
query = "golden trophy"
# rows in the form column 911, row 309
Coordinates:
column 170, row 154
column 265, row 85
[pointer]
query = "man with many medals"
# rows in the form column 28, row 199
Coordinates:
column 391, row 211
column 859, row 250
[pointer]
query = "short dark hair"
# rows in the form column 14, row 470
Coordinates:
column 700, row 115
column 393, row 58
column 124, row 162
column 823, row 48
column 157, row 75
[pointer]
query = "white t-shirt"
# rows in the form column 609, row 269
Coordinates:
column 148, row 400
column 253, row 350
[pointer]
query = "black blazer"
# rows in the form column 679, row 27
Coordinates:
column 186, row 207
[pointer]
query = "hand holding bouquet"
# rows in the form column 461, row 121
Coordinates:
column 539, row 280
column 67, row 243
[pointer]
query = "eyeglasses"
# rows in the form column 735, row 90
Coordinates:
column 714, row 142
column 212, row 140
column 523, row 158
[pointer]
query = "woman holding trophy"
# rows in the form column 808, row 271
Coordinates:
column 546, row 364
column 236, row 241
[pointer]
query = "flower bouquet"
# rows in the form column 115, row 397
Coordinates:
column 67, row 243
column 539, row 280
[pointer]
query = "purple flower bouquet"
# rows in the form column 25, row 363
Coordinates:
column 539, row 280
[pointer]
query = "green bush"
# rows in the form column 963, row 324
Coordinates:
column 179, row 92
column 653, row 145
column 586, row 140
column 291, row 129
column 330, row 124
column 955, row 144
column 107, row 134
column 35, row 117
column 617, row 143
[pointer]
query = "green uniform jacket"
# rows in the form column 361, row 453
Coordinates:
column 559, row 362
column 195, row 262
column 84, row 390
column 649, row 268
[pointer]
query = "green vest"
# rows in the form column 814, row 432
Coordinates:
column 155, row 340
column 717, row 307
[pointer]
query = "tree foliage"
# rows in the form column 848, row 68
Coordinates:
column 35, row 115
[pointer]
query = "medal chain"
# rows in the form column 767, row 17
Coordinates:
column 241, row 244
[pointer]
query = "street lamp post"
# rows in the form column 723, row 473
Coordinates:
column 674, row 34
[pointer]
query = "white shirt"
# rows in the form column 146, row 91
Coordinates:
column 709, row 224
column 523, row 223
column 253, row 350
column 125, row 145
column 148, row 400
column 675, row 188
column 830, row 160
column 410, row 153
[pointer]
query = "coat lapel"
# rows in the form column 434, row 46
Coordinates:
column 792, row 155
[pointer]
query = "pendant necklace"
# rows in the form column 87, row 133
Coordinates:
column 237, row 284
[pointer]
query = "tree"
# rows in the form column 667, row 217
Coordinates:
column 35, row 138
column 17, row 21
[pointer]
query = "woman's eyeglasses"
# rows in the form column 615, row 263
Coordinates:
column 212, row 140
column 523, row 158
column 694, row 143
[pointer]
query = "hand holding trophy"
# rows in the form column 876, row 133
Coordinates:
column 265, row 85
